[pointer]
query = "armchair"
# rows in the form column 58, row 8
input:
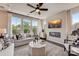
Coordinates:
column 69, row 45
column 9, row 51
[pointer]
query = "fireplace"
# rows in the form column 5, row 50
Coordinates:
column 55, row 34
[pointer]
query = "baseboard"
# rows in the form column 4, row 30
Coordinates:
column 21, row 45
column 61, row 45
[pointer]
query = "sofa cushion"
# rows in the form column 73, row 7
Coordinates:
column 23, row 41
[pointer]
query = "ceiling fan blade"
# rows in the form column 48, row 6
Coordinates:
column 40, row 4
column 39, row 13
column 43, row 9
column 32, row 11
column 30, row 5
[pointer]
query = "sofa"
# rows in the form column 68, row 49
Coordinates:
column 70, row 47
column 23, row 41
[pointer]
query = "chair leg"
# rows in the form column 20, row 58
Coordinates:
column 64, row 48
column 69, row 50
column 69, row 53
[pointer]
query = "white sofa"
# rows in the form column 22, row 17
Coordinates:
column 23, row 41
column 9, row 51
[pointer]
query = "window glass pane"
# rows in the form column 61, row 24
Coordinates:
column 75, row 18
column 15, row 24
column 34, row 23
column 34, row 26
column 26, row 25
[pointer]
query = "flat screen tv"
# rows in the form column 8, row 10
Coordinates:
column 54, row 23
column 55, row 34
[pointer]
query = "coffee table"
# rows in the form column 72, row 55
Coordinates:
column 38, row 48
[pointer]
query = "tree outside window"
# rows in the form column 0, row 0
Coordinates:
column 15, row 24
column 34, row 26
column 26, row 25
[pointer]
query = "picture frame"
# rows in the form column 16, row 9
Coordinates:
column 56, row 23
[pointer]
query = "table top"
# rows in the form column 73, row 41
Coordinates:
column 38, row 44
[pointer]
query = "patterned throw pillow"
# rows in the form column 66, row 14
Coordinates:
column 1, row 43
column 4, row 43
column 1, row 46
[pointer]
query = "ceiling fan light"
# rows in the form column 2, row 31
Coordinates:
column 37, row 10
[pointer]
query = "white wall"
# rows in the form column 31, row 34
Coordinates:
column 66, row 26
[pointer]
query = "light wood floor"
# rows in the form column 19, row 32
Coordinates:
column 51, row 50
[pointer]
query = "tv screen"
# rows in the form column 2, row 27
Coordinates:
column 55, row 34
column 54, row 23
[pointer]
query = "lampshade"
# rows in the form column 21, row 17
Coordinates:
column 2, row 30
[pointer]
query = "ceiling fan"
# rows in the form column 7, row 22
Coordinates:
column 37, row 8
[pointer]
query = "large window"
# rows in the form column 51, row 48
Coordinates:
column 26, row 25
column 15, row 24
column 75, row 18
column 34, row 26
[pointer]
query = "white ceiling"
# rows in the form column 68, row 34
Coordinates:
column 53, row 8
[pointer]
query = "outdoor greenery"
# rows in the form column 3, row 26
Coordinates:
column 15, row 29
column 34, row 29
column 26, row 27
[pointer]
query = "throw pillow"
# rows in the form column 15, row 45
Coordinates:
column 4, row 43
column 0, row 46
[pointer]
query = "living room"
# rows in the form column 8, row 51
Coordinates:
column 21, row 25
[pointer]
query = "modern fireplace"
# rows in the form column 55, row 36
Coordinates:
column 55, row 34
